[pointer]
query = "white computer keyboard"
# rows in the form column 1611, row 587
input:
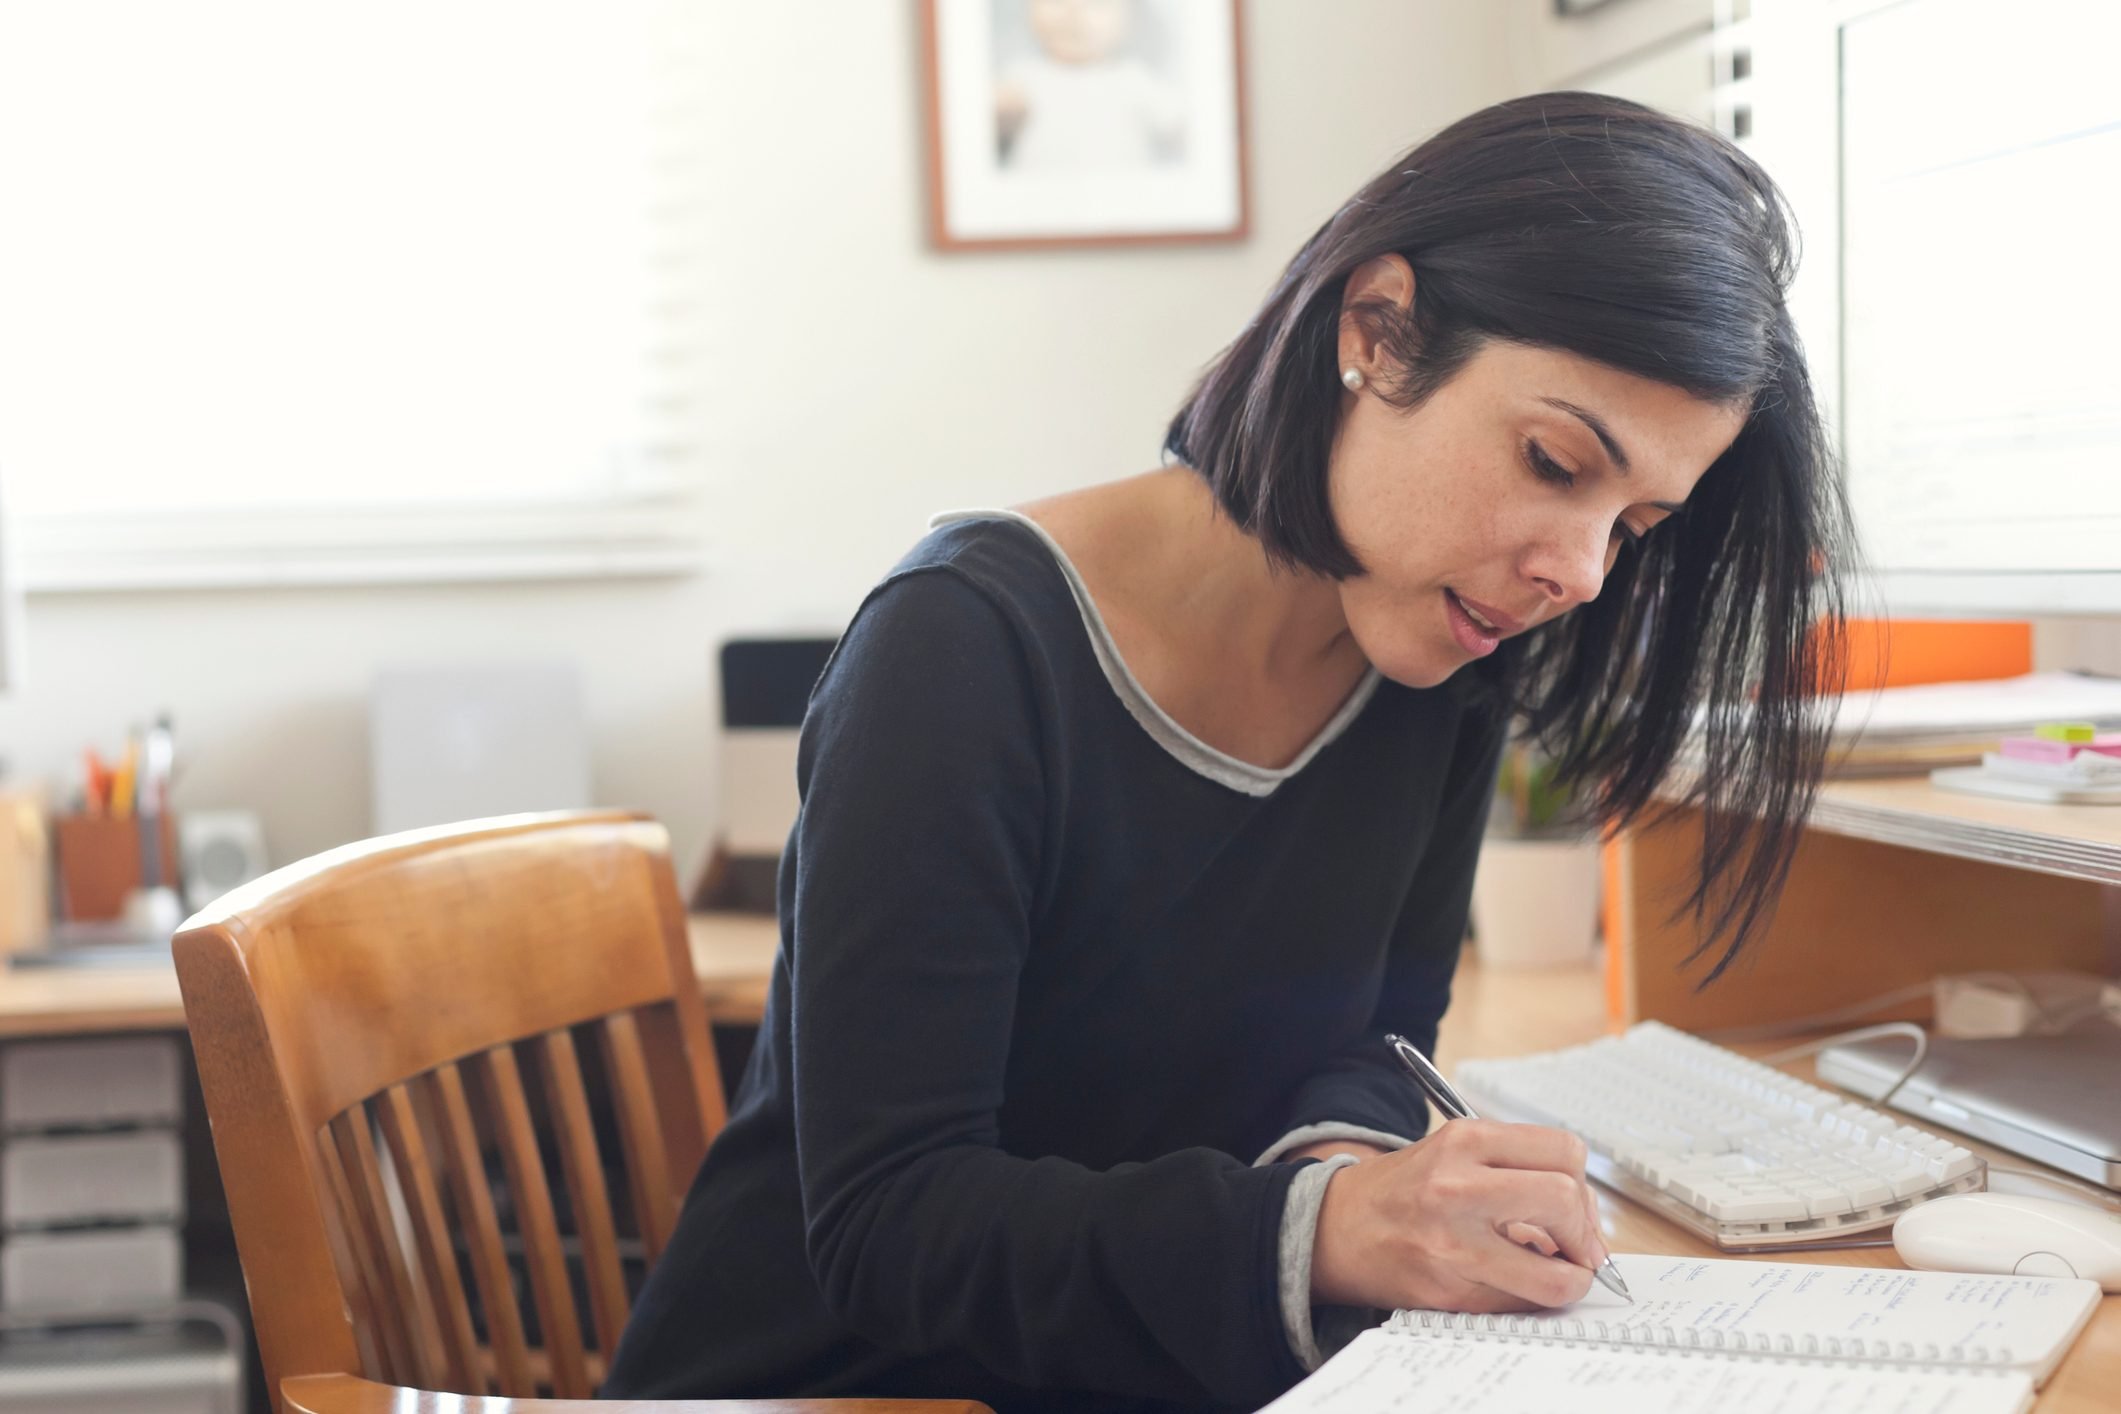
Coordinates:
column 1738, row 1151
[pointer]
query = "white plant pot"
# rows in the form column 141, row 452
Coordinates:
column 1535, row 902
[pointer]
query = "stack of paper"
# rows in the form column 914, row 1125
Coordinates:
column 1905, row 730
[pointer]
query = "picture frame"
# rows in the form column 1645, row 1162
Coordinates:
column 1058, row 123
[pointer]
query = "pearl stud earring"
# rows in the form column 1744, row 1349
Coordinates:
column 1351, row 378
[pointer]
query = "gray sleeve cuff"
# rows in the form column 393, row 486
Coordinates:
column 1329, row 1129
column 1299, row 1230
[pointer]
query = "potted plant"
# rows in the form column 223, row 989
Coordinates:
column 1535, row 896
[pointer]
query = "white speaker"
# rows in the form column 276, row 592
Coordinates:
column 464, row 743
column 220, row 849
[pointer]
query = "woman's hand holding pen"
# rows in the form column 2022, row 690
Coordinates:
column 1439, row 1224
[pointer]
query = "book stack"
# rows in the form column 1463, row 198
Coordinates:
column 2061, row 763
column 1902, row 731
column 91, row 1175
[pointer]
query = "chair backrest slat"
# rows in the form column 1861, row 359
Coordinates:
column 407, row 1325
column 587, row 1197
column 400, row 987
column 558, row 1323
column 687, row 1126
column 366, row 1291
column 465, row 1161
column 414, row 1162
column 640, row 1132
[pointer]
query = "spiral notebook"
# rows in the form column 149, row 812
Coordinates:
column 1737, row 1337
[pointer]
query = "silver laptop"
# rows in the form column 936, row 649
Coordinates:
column 2056, row 1099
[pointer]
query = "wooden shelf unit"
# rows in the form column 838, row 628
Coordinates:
column 1895, row 882
column 2070, row 841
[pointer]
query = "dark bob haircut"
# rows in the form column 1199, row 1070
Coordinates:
column 1598, row 227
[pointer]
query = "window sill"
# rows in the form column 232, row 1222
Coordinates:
column 609, row 538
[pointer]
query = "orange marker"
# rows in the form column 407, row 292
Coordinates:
column 96, row 797
column 121, row 789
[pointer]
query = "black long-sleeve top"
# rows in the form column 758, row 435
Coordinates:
column 1052, row 973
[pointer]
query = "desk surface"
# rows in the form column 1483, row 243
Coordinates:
column 1492, row 1014
column 732, row 952
column 1501, row 1014
column 58, row 1001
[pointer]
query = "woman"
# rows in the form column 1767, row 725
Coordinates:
column 1133, row 820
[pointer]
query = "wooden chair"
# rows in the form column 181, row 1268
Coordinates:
column 371, row 1025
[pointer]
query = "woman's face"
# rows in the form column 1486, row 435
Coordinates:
column 1502, row 501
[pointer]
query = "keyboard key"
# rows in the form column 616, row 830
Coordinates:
column 1759, row 1207
column 1911, row 1182
column 1869, row 1191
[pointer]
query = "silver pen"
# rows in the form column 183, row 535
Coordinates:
column 1454, row 1106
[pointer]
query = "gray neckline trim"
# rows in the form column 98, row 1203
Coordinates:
column 1190, row 751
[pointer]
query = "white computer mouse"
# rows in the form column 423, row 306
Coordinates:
column 2012, row 1234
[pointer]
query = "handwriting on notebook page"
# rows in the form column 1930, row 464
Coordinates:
column 1408, row 1373
column 1771, row 1300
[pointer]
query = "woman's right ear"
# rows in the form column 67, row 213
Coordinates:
column 1382, row 280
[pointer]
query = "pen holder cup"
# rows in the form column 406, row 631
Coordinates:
column 101, row 861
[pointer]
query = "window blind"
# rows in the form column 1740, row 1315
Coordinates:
column 303, row 292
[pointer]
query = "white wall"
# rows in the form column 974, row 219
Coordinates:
column 2088, row 644
column 1549, row 50
column 857, row 381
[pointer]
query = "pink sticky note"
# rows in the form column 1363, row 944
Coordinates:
column 2033, row 748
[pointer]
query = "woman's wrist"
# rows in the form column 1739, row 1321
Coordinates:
column 1329, row 1282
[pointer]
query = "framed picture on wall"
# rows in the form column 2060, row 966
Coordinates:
column 1084, row 122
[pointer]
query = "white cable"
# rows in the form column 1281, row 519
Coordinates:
column 2046, row 1020
column 2105, row 1197
column 1776, row 1029
column 1867, row 1033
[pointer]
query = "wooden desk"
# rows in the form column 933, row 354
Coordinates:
column 76, row 1001
column 733, row 953
column 1492, row 1014
column 1503, row 1014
